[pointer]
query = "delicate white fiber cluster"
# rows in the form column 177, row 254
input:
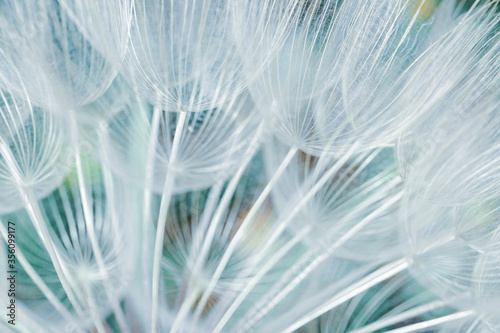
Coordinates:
column 250, row 165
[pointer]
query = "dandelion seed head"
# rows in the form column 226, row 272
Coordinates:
column 32, row 152
column 251, row 165
column 212, row 143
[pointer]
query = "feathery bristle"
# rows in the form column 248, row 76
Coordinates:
column 249, row 166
